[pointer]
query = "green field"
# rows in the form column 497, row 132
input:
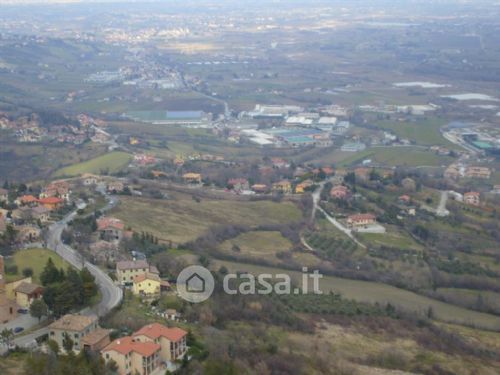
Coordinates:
column 398, row 156
column 110, row 163
column 36, row 259
column 391, row 238
column 423, row 132
column 180, row 218
column 258, row 245
column 373, row 292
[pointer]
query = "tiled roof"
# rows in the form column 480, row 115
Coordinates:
column 27, row 288
column 155, row 330
column 95, row 336
column 131, row 264
column 125, row 345
column 73, row 322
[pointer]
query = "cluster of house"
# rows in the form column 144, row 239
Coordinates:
column 149, row 350
column 29, row 129
column 33, row 210
column 303, row 179
column 16, row 295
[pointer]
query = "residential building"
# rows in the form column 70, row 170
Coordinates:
column 360, row 220
column 147, row 285
column 260, row 188
column 477, row 172
column 41, row 213
column 127, row 270
column 172, row 340
column 110, row 228
column 89, row 179
column 283, row 187
column 340, row 192
column 239, row 184
column 75, row 326
column 303, row 186
column 26, row 293
column 28, row 233
column 59, row 189
column 52, row 203
column 133, row 356
column 473, row 198
column 115, row 187
column 8, row 308
column 26, row 200
column 192, row 178
column 96, row 340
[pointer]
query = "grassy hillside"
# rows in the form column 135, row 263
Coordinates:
column 108, row 163
column 36, row 259
column 180, row 218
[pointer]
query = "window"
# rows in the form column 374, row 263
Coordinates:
column 107, row 356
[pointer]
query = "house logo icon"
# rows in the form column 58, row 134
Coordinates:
column 195, row 284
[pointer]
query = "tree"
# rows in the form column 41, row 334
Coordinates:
column 53, row 346
column 89, row 285
column 51, row 274
column 67, row 343
column 27, row 272
column 6, row 337
column 38, row 309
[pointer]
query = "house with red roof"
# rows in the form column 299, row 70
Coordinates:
column 171, row 339
column 133, row 356
column 52, row 203
column 110, row 228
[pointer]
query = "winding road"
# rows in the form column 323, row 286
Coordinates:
column 111, row 294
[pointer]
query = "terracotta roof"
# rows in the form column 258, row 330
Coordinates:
column 95, row 336
column 125, row 345
column 146, row 276
column 155, row 330
column 51, row 200
column 131, row 264
column 73, row 322
column 27, row 288
column 107, row 222
column 28, row 199
column 362, row 217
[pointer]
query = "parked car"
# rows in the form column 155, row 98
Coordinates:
column 22, row 311
column 18, row 329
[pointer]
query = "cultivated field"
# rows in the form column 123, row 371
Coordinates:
column 108, row 163
column 181, row 218
column 258, row 245
column 374, row 292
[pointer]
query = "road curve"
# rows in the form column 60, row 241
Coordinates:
column 110, row 293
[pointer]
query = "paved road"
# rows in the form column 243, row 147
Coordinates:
column 111, row 294
column 316, row 195
column 441, row 208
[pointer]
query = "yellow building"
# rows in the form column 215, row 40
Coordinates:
column 127, row 270
column 26, row 293
column 301, row 188
column 192, row 178
column 147, row 285
column 284, row 187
